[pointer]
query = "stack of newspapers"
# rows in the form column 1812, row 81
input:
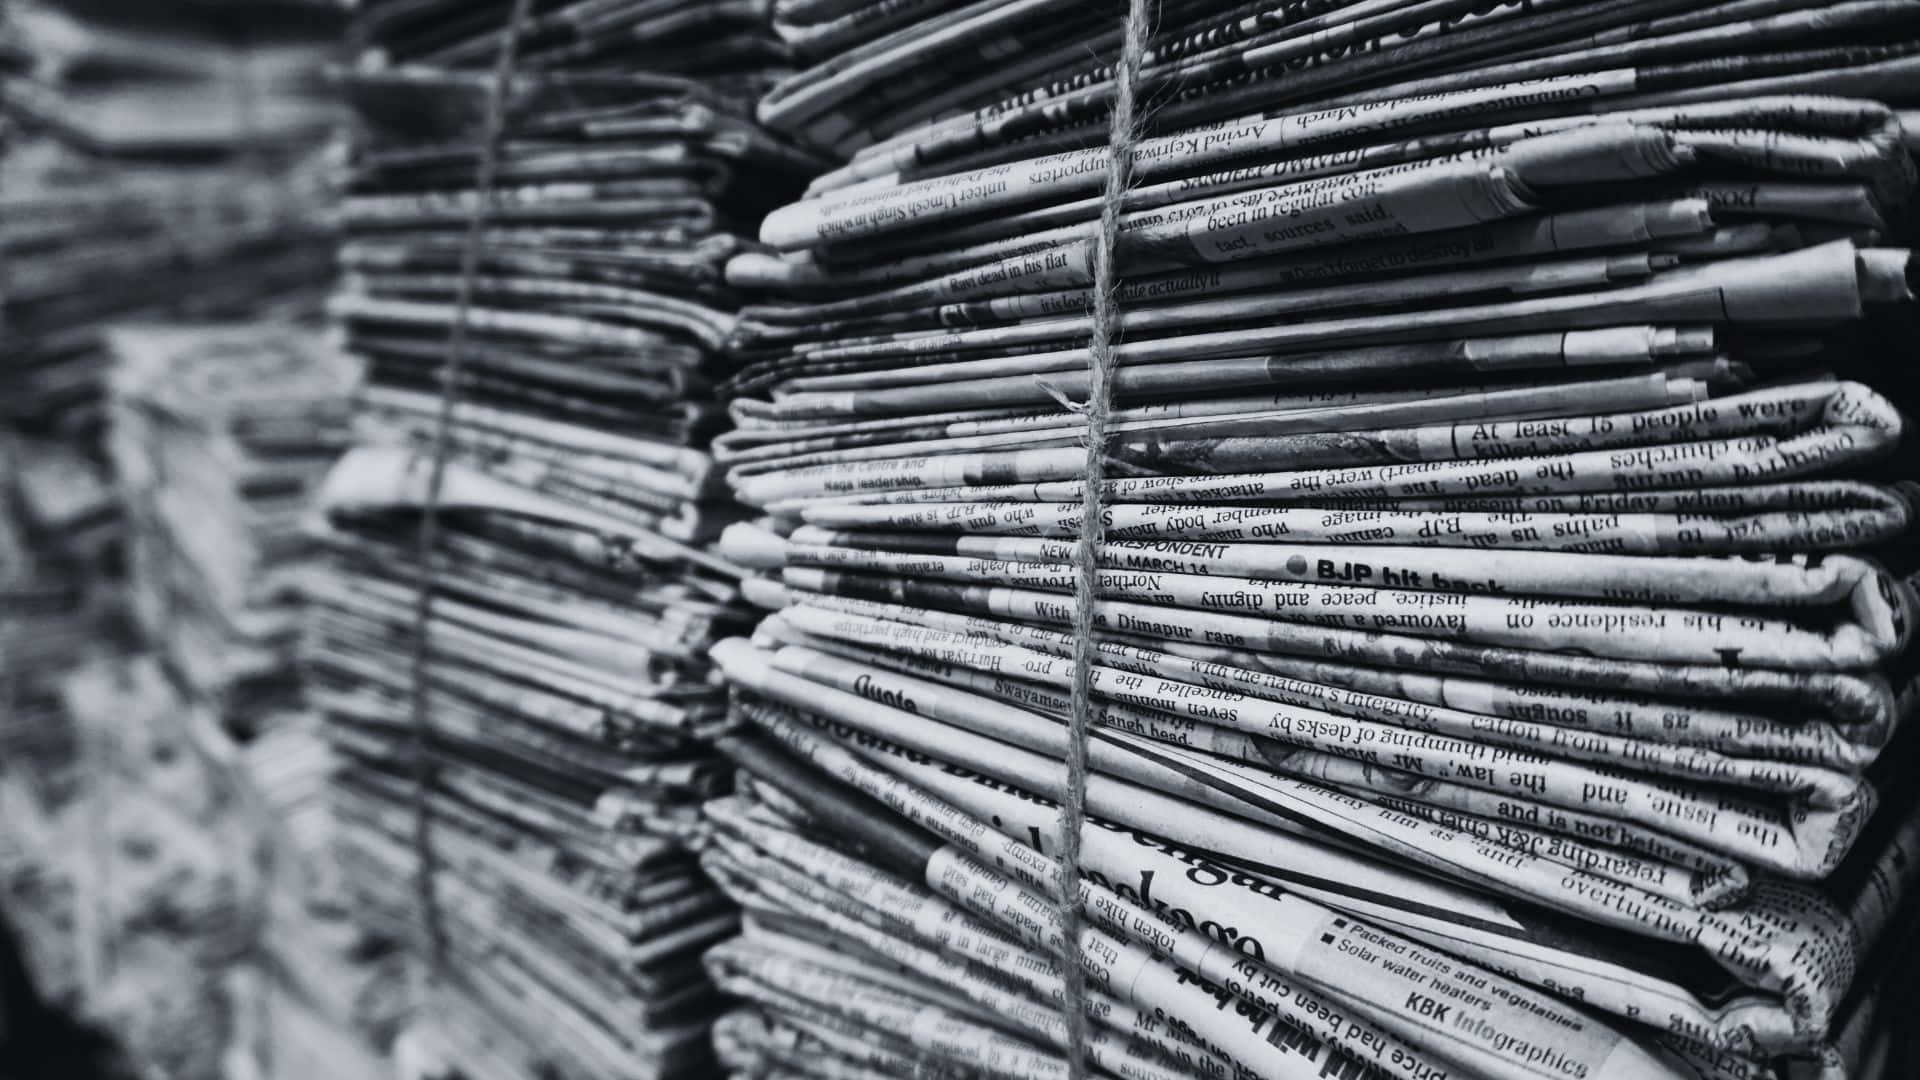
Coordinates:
column 179, row 890
column 326, row 993
column 139, row 876
column 1504, row 606
column 136, row 78
column 85, row 241
column 154, row 159
column 529, row 824
column 60, row 530
column 159, row 158
column 220, row 434
column 39, row 751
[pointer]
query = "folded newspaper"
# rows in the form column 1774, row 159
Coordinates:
column 526, row 835
column 1504, row 558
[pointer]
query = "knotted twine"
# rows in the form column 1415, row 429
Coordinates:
column 453, row 379
column 1123, row 132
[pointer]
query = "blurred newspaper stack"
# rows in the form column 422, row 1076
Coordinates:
column 59, row 543
column 179, row 890
column 162, row 157
column 177, row 78
column 574, row 596
column 135, row 871
column 329, row 994
column 220, row 435
column 39, row 774
column 154, row 159
column 1505, row 600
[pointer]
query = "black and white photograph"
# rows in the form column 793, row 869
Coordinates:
column 959, row 540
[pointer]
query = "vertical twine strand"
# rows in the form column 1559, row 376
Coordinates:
column 453, row 378
column 1123, row 132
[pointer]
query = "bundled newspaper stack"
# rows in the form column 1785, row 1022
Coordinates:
column 1504, row 612
column 220, row 435
column 530, row 815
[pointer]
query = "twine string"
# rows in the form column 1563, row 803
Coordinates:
column 427, row 540
column 1123, row 134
